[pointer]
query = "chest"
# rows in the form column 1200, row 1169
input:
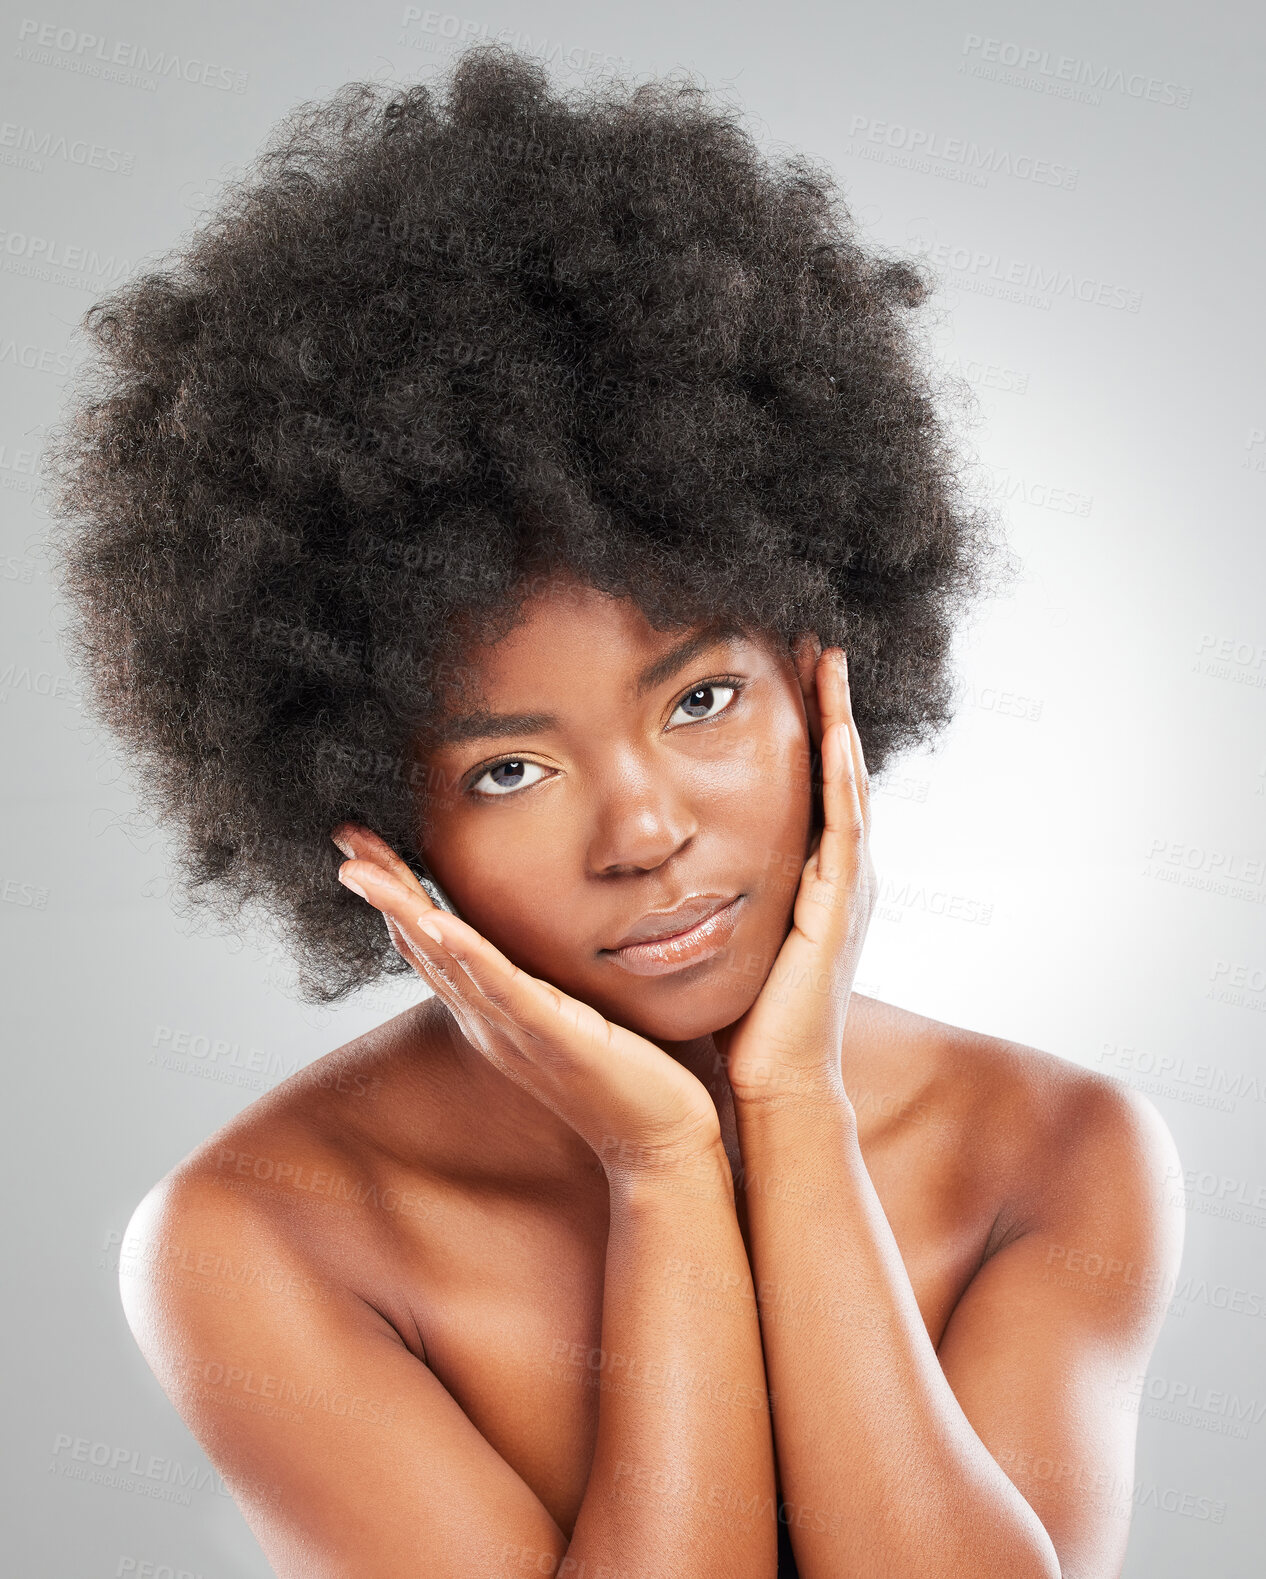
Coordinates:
column 503, row 1300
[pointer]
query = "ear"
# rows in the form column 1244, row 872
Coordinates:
column 805, row 652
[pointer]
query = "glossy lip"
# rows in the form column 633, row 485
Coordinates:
column 698, row 942
column 686, row 913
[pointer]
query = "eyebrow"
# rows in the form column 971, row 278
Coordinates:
column 483, row 725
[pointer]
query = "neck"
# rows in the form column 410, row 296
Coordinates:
column 701, row 1058
column 516, row 1127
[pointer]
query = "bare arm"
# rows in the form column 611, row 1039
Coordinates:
column 347, row 1456
column 1005, row 1451
column 1000, row 1453
column 682, row 1479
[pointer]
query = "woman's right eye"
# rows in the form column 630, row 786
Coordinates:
column 516, row 767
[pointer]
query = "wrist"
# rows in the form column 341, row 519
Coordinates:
column 698, row 1168
column 772, row 1071
column 826, row 1104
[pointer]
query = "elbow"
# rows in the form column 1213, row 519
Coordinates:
column 1039, row 1561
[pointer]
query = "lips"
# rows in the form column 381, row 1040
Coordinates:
column 668, row 923
column 699, row 941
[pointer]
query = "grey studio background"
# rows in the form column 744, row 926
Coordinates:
column 1079, row 865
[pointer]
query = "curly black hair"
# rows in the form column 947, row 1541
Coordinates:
column 439, row 337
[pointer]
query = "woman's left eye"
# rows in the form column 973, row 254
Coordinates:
column 703, row 695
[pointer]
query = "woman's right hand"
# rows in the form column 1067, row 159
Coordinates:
column 640, row 1110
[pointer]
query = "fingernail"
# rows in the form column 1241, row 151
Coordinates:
column 355, row 887
column 345, row 847
column 431, row 930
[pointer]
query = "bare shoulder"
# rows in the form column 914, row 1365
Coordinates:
column 1072, row 1291
column 288, row 1183
column 1056, row 1140
column 252, row 1278
column 1069, row 1143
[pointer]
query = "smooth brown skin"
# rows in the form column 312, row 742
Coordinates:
column 460, row 1309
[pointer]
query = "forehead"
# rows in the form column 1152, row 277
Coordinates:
column 567, row 634
column 567, row 620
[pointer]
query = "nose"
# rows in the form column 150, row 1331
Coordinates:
column 645, row 815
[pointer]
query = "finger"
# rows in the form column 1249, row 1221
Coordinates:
column 861, row 777
column 837, row 848
column 534, row 1006
column 511, row 1017
column 408, row 955
column 475, row 976
column 860, row 774
column 444, row 977
column 808, row 652
column 830, row 868
column 418, row 962
column 841, row 804
column 360, row 843
column 400, row 907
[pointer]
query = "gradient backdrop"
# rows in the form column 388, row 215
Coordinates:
column 1079, row 865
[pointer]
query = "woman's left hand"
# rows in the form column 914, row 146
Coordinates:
column 787, row 1046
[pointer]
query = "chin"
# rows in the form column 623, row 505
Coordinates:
column 680, row 1005
column 684, row 1006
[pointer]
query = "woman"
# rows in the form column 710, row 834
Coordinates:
column 545, row 500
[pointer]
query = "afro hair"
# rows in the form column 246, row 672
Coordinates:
column 439, row 337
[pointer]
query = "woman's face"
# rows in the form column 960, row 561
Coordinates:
column 595, row 770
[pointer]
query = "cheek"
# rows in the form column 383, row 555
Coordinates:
column 768, row 790
column 769, row 812
column 515, row 898
column 755, row 823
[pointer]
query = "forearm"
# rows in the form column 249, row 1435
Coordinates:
column 682, row 1480
column 880, row 1469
